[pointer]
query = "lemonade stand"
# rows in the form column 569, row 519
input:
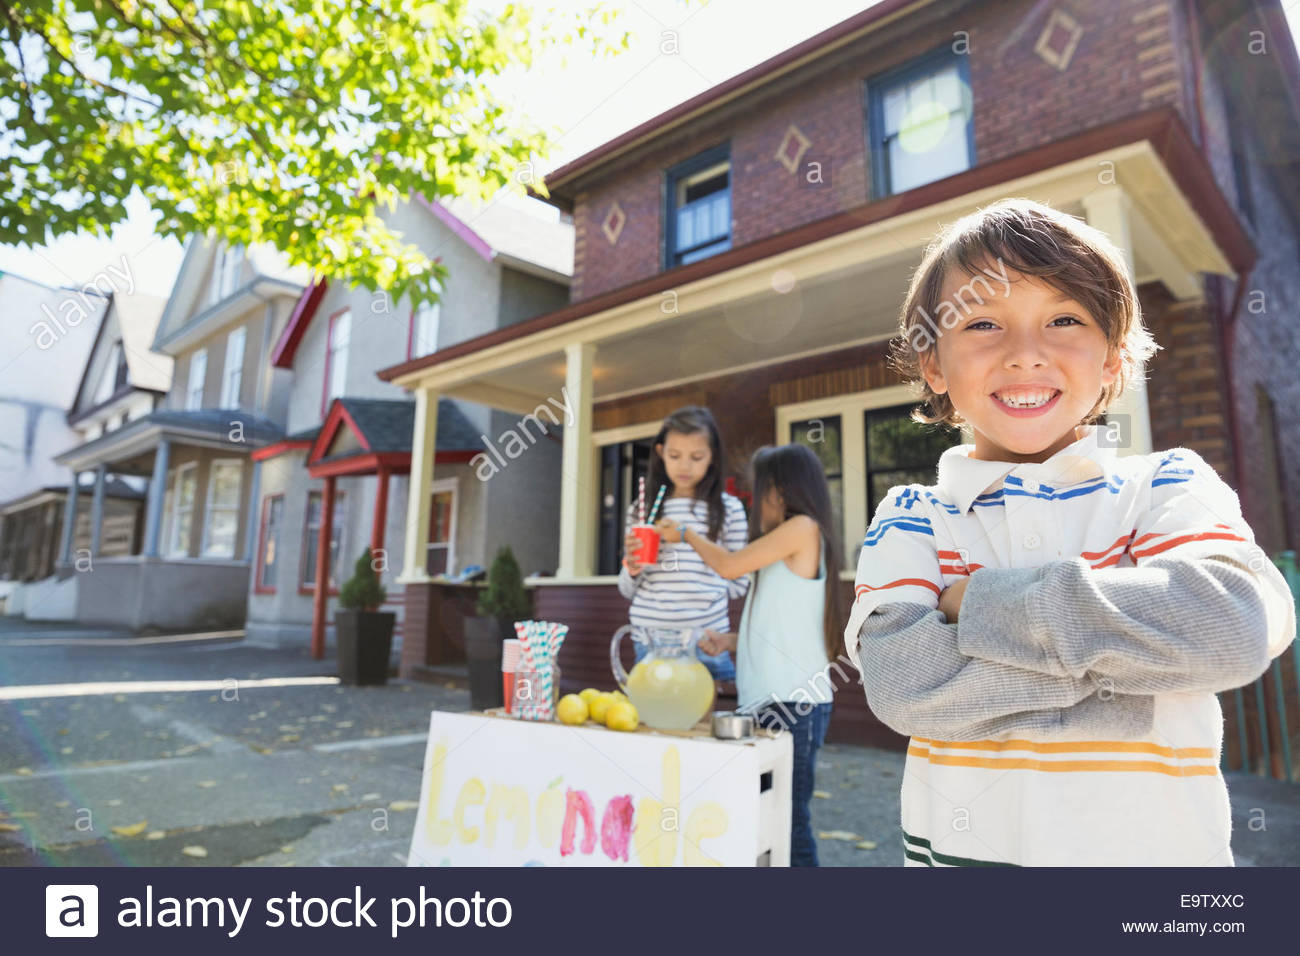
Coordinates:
column 497, row 790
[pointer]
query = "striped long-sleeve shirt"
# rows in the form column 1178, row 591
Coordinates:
column 680, row 590
column 1069, row 716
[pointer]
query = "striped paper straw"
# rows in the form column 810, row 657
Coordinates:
column 640, row 500
column 658, row 501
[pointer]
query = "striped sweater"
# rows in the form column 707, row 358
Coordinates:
column 680, row 590
column 1069, row 716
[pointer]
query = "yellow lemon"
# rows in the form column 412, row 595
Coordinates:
column 571, row 709
column 600, row 706
column 588, row 695
column 622, row 716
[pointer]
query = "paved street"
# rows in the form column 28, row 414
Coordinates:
column 250, row 770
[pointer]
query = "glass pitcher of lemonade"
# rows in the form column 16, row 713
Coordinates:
column 670, row 687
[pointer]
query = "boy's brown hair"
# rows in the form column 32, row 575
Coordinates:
column 1032, row 239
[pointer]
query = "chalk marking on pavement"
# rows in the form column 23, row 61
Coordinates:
column 396, row 740
column 36, row 691
column 120, row 641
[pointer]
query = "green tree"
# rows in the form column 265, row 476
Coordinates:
column 289, row 122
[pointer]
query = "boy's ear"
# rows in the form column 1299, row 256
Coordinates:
column 930, row 370
column 1114, row 362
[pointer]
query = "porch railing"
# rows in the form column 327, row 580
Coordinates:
column 1262, row 719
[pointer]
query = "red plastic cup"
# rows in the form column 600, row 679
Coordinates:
column 648, row 551
column 508, row 688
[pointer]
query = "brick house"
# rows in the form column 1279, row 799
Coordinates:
column 749, row 249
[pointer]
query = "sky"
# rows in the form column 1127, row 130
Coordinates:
column 589, row 102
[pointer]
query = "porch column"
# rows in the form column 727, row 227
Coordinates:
column 419, row 495
column 577, row 482
column 252, row 517
column 97, row 510
column 69, row 520
column 321, row 599
column 381, row 513
column 154, row 501
column 1109, row 210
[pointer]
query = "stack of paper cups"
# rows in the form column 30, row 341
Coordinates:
column 511, row 650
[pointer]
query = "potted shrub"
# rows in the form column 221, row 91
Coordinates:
column 503, row 602
column 365, row 634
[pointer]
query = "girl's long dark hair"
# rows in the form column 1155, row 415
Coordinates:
column 690, row 420
column 797, row 475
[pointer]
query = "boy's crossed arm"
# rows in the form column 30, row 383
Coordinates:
column 919, row 683
column 1204, row 609
column 916, row 678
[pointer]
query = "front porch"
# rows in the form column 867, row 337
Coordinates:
column 191, row 569
column 789, row 335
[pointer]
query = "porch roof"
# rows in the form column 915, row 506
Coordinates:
column 207, row 427
column 360, row 435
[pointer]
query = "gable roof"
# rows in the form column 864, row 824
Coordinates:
column 498, row 233
column 272, row 275
column 382, row 426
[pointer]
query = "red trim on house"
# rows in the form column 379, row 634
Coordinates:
column 335, row 417
column 369, row 464
column 1163, row 127
column 303, row 310
column 280, row 448
column 459, row 228
column 321, row 596
column 329, row 359
column 258, row 587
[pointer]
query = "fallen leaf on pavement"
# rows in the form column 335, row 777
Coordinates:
column 822, row 794
column 404, row 805
column 844, row 835
column 207, row 783
column 866, row 845
column 24, row 771
column 9, row 828
column 132, row 829
column 155, row 834
column 194, row 851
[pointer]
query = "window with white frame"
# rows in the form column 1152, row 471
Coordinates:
column 182, row 517
column 197, row 377
column 424, row 329
column 699, row 207
column 867, row 444
column 221, row 516
column 336, row 363
column 311, row 539
column 226, row 267
column 232, row 373
column 920, row 121
column 441, row 554
column 111, row 378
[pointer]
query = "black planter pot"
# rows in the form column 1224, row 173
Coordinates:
column 365, row 641
column 483, row 637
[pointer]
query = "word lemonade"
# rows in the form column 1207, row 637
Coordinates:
column 552, row 817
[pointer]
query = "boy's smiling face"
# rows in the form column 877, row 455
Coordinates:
column 1032, row 343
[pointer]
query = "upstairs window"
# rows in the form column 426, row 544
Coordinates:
column 113, row 377
column 232, row 374
column 226, row 268
column 699, row 208
column 194, row 385
column 336, row 357
column 423, row 336
column 920, row 123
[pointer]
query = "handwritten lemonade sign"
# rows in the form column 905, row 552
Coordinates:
column 503, row 792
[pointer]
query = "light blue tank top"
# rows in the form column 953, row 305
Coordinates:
column 781, row 654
